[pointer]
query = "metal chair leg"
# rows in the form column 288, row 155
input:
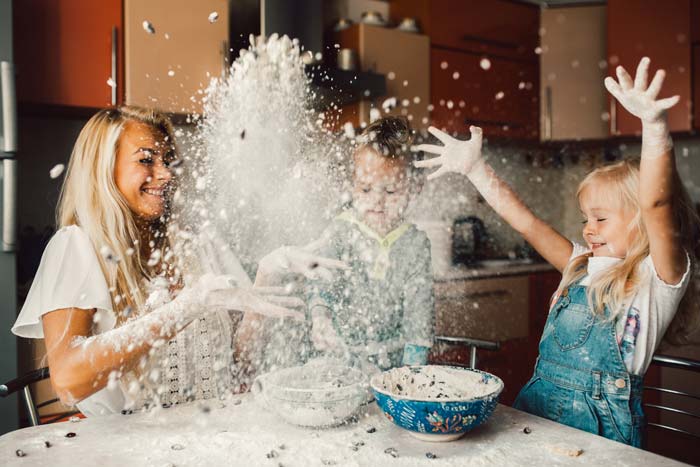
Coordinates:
column 29, row 402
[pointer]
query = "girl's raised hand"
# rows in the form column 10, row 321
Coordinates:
column 638, row 96
column 455, row 156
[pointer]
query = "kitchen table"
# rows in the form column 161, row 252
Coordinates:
column 239, row 432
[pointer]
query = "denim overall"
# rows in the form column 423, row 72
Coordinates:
column 580, row 378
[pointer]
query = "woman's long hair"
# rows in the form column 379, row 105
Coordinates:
column 618, row 186
column 90, row 199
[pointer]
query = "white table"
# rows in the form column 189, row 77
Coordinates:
column 239, row 432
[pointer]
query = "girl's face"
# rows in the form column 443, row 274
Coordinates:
column 606, row 227
column 380, row 190
column 141, row 169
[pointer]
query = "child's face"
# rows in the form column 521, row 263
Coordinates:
column 380, row 190
column 141, row 169
column 606, row 227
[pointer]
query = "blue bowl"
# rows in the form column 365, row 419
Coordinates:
column 436, row 417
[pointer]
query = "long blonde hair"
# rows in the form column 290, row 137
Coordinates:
column 90, row 199
column 619, row 184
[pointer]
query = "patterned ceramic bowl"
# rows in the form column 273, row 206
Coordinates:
column 436, row 403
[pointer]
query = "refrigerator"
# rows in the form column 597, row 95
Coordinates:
column 9, row 417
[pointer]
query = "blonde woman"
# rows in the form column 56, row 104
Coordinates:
column 620, row 294
column 124, row 327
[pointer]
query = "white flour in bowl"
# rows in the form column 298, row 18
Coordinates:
column 436, row 383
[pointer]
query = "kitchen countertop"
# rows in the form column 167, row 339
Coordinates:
column 239, row 432
column 492, row 268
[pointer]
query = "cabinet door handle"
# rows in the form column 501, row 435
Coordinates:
column 9, row 208
column 114, row 65
column 613, row 117
column 476, row 295
column 548, row 117
column 9, row 108
column 224, row 57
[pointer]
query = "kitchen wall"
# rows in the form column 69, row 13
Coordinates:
column 546, row 179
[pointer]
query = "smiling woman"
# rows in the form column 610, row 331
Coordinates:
column 123, row 327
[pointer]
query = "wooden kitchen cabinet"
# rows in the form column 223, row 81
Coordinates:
column 573, row 99
column 511, row 310
column 169, row 68
column 490, row 48
column 502, row 99
column 498, row 27
column 64, row 52
column 638, row 28
column 404, row 58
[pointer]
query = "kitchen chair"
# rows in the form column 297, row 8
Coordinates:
column 691, row 366
column 674, row 429
column 473, row 344
column 22, row 384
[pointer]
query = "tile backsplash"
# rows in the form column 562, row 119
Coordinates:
column 546, row 179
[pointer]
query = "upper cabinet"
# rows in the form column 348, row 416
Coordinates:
column 68, row 52
column 408, row 79
column 168, row 68
column 498, row 27
column 497, row 94
column 574, row 102
column 638, row 28
column 484, row 63
column 87, row 54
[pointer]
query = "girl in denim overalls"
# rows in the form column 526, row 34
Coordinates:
column 618, row 297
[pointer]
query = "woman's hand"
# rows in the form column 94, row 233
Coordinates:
column 455, row 156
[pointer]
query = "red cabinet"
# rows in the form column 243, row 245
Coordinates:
column 498, row 94
column 498, row 27
column 82, row 55
column 511, row 310
column 484, row 69
column 638, row 28
column 63, row 51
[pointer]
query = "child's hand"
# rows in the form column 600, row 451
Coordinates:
column 455, row 156
column 323, row 334
column 639, row 97
column 289, row 259
column 272, row 302
column 640, row 100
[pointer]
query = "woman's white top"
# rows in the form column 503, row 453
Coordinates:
column 195, row 364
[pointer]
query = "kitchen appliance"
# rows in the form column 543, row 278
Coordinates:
column 8, row 217
column 347, row 59
column 408, row 25
column 373, row 18
column 343, row 23
column 467, row 239
column 440, row 235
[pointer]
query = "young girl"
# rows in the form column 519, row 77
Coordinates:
column 618, row 294
column 102, row 297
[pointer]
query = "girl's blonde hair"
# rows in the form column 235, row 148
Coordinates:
column 618, row 184
column 90, row 199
